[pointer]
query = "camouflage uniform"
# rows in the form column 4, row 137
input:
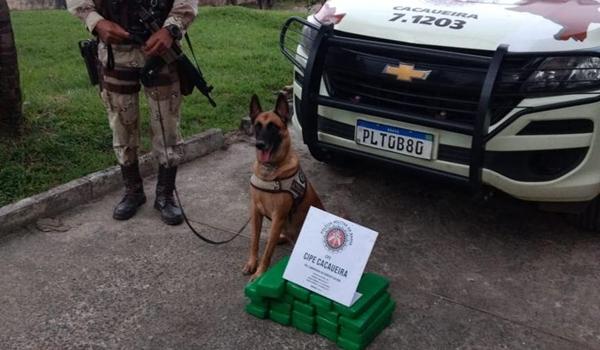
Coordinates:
column 121, row 85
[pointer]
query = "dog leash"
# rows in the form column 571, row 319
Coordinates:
column 185, row 218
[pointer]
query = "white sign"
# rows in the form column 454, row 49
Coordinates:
column 330, row 256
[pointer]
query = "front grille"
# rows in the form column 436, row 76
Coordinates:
column 558, row 127
column 335, row 128
column 454, row 154
column 450, row 93
column 530, row 166
column 535, row 166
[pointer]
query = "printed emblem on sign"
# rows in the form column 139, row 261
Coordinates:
column 337, row 236
column 406, row 72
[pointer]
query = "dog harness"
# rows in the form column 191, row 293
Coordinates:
column 294, row 185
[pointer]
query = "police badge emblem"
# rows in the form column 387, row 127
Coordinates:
column 336, row 236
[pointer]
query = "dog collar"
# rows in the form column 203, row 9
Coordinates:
column 294, row 185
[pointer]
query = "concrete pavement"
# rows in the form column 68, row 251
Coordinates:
column 466, row 274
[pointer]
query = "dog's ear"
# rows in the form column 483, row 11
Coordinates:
column 282, row 108
column 255, row 108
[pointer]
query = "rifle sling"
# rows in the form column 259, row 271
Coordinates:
column 189, row 42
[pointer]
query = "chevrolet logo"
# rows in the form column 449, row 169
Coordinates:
column 406, row 72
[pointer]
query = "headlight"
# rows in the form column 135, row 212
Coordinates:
column 565, row 73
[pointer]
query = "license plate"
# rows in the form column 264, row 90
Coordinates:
column 398, row 140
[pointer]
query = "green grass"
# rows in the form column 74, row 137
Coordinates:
column 66, row 130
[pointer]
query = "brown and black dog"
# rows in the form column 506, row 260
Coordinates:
column 276, row 167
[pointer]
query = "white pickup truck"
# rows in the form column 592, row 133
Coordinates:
column 488, row 93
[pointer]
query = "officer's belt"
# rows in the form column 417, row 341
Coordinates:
column 132, row 75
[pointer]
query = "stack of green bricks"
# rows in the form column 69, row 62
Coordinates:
column 351, row 328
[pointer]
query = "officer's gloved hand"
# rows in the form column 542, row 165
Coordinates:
column 110, row 32
column 158, row 43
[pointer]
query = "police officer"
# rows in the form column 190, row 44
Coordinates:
column 116, row 23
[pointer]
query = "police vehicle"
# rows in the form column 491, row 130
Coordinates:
column 488, row 93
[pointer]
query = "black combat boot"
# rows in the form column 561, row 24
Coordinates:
column 134, row 192
column 170, row 213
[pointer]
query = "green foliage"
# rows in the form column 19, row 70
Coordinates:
column 66, row 132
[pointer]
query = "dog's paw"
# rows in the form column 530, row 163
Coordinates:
column 256, row 275
column 283, row 239
column 250, row 267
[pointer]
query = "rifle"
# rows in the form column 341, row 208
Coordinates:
column 174, row 54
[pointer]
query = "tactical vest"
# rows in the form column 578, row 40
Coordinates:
column 295, row 185
column 126, row 13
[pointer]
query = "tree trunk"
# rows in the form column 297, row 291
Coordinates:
column 11, row 116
